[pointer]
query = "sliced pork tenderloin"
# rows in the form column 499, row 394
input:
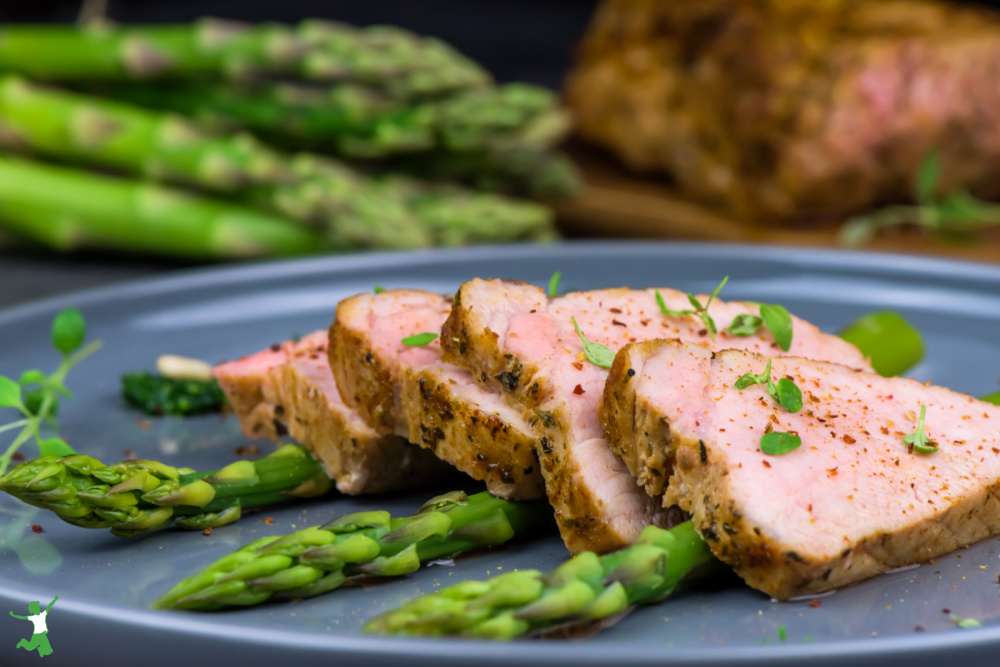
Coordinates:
column 514, row 339
column 410, row 391
column 853, row 500
column 289, row 389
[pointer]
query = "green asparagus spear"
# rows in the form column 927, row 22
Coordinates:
column 357, row 122
column 97, row 132
column 317, row 560
column 137, row 496
column 891, row 343
column 68, row 209
column 391, row 59
column 588, row 587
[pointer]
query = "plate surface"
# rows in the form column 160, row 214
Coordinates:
column 106, row 584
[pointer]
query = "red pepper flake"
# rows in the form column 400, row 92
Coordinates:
column 17, row 456
column 618, row 324
column 816, row 604
column 644, row 322
column 268, row 520
column 244, row 450
column 831, row 471
column 578, row 365
column 207, row 531
column 144, row 424
column 578, row 390
column 275, row 347
column 616, row 311
column 128, row 453
column 703, row 332
column 36, row 528
column 849, row 439
column 766, row 464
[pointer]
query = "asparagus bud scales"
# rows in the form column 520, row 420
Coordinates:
column 138, row 496
column 316, row 560
column 585, row 588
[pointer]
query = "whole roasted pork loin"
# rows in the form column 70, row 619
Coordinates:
column 853, row 500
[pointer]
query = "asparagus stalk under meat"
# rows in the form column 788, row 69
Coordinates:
column 387, row 58
column 97, row 132
column 138, row 496
column 586, row 588
column 319, row 559
column 67, row 209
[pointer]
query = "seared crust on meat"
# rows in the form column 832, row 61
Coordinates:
column 290, row 390
column 849, row 503
column 623, row 413
column 431, row 403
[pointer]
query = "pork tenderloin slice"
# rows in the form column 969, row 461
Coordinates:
column 289, row 389
column 851, row 502
column 410, row 391
column 513, row 338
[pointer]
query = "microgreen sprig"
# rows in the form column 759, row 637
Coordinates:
column 965, row 623
column 597, row 354
column 918, row 440
column 700, row 311
column 420, row 339
column 776, row 318
column 554, row 284
column 36, row 395
column 957, row 211
column 785, row 392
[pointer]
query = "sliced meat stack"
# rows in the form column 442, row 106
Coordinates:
column 289, row 388
column 855, row 499
column 515, row 340
column 408, row 390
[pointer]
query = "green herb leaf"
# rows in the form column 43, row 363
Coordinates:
column 34, row 399
column 554, row 284
column 10, row 393
column 918, row 440
column 546, row 417
column 993, row 398
column 965, row 623
column 789, row 395
column 777, row 443
column 34, row 376
column 597, row 354
column 68, row 331
column 699, row 310
column 55, row 447
column 378, row 289
column 928, row 175
column 782, row 633
column 779, row 321
column 695, row 303
column 745, row 324
column 420, row 339
column 749, row 379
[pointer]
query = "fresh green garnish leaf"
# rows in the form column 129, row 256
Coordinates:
column 779, row 321
column 776, row 443
column 745, row 324
column 39, row 403
column 68, row 331
column 54, row 447
column 420, row 339
column 10, row 393
column 891, row 343
column 789, row 395
column 378, row 289
column 782, row 634
column 965, row 623
column 597, row 354
column 993, row 398
column 918, row 440
column 785, row 392
column 554, row 284
column 700, row 311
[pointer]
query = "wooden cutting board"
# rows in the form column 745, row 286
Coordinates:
column 617, row 203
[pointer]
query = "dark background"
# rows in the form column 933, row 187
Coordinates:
column 517, row 40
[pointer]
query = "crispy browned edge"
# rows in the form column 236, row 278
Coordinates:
column 424, row 408
column 623, row 415
column 700, row 485
column 466, row 343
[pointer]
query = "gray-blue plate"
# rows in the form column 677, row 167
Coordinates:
column 105, row 584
